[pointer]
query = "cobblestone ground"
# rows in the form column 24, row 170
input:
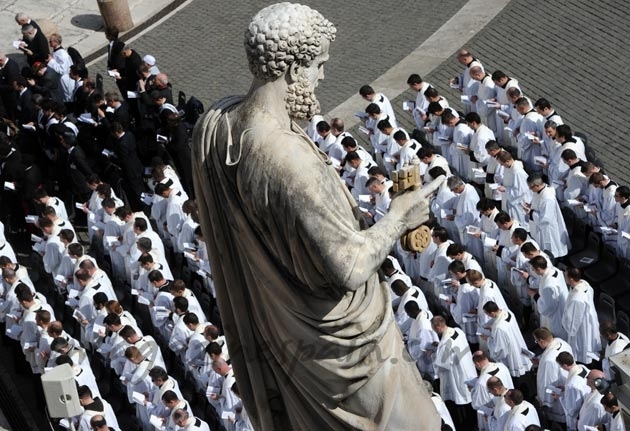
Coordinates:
column 571, row 53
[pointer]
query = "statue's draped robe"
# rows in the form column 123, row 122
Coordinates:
column 310, row 351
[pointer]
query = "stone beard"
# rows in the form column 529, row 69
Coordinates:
column 301, row 101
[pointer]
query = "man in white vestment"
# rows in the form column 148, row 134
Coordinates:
column 440, row 261
column 580, row 318
column 421, row 338
column 419, row 111
column 546, row 223
column 94, row 406
column 549, row 372
column 592, row 411
column 615, row 419
column 521, row 414
column 487, row 212
column 361, row 176
column 516, row 192
column 482, row 134
column 506, row 226
column 616, row 342
column 406, row 293
column 500, row 409
column 428, row 157
column 463, row 81
column 466, row 214
column 606, row 211
column 457, row 156
column 443, row 205
column 550, row 296
column 381, row 100
column 294, row 227
column 409, row 147
column 453, row 364
column 530, row 136
column 480, row 393
column 505, row 341
column 574, row 388
column 485, row 97
column 488, row 291
column 382, row 199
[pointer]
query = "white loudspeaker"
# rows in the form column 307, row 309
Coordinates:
column 60, row 391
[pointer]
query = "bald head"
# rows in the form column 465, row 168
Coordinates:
column 592, row 375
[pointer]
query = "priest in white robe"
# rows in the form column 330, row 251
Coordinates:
column 551, row 295
column 546, row 223
column 505, row 341
column 580, row 318
column 500, row 409
column 453, row 364
column 516, row 192
column 549, row 372
column 422, row 338
column 466, row 214
column 575, row 390
column 479, row 392
column 616, row 342
column 592, row 411
column 522, row 413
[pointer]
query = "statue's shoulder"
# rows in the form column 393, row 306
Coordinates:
column 226, row 104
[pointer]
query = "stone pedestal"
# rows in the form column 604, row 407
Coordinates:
column 116, row 14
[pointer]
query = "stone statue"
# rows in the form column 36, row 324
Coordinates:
column 310, row 329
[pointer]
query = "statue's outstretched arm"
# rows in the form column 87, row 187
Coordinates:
column 407, row 211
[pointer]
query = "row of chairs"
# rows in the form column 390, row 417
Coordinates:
column 602, row 268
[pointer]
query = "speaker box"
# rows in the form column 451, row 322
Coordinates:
column 60, row 391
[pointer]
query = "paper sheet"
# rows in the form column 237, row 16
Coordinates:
column 97, row 329
column 408, row 105
column 138, row 397
column 489, row 242
column 471, row 230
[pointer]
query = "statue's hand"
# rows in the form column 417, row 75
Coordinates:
column 412, row 206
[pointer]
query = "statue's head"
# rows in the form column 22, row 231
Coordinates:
column 293, row 39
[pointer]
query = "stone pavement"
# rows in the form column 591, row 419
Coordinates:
column 78, row 21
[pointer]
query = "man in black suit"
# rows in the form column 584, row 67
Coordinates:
column 115, row 59
column 47, row 82
column 22, row 19
column 34, row 45
column 26, row 111
column 9, row 74
column 131, row 76
column 117, row 111
column 127, row 159
column 133, row 61
column 77, row 167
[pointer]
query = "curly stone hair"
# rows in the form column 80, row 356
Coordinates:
column 283, row 33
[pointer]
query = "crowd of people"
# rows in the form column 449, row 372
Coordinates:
column 495, row 269
column 128, row 305
column 125, row 298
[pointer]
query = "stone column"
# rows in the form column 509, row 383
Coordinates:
column 116, row 13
